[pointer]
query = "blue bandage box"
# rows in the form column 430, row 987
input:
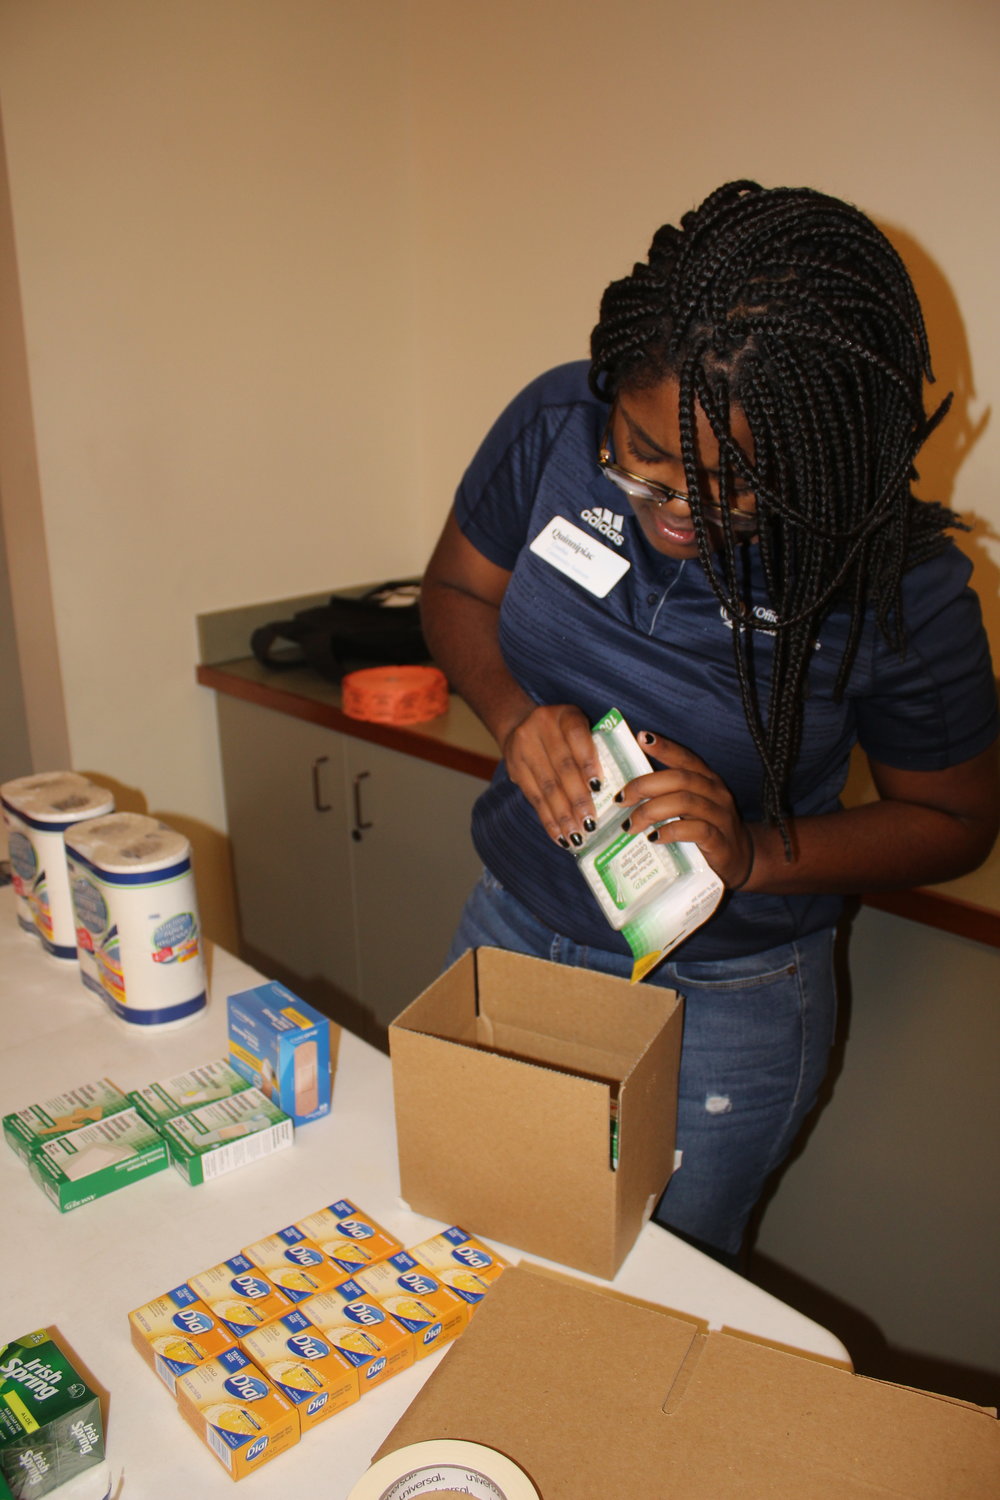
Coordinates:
column 281, row 1044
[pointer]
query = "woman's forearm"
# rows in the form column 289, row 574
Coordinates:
column 895, row 843
column 461, row 631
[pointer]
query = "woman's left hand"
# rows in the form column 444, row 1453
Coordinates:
column 689, row 790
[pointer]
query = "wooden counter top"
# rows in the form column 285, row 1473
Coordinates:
column 968, row 907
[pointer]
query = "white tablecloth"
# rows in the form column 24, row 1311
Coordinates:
column 80, row 1273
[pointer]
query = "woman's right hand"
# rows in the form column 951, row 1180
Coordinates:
column 548, row 750
column 550, row 755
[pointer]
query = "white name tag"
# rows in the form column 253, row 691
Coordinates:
column 579, row 555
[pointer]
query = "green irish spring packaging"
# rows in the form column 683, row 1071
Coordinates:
column 50, row 1419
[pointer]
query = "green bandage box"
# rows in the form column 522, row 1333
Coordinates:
column 28, row 1130
column 98, row 1159
column 50, row 1419
column 206, row 1142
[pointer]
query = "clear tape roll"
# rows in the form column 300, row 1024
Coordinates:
column 422, row 1470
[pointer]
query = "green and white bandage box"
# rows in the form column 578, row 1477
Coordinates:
column 209, row 1083
column 98, row 1159
column 655, row 894
column 50, row 1419
column 27, row 1130
column 220, row 1137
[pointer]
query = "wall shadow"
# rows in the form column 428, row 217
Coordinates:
column 948, row 448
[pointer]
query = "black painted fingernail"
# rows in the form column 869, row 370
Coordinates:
column 652, row 835
column 563, row 842
column 626, row 825
column 576, row 840
column 645, row 738
column 589, row 825
column 595, row 783
column 620, row 796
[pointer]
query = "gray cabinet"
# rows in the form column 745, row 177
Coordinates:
column 351, row 861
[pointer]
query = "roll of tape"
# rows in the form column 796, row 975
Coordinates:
column 395, row 695
column 425, row 1469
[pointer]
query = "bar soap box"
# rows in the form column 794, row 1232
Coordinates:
column 282, row 1046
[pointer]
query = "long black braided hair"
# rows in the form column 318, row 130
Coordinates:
column 794, row 307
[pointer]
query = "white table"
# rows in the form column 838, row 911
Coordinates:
column 80, row 1273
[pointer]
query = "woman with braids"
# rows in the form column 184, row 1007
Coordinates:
column 756, row 589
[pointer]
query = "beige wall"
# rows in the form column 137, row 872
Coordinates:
column 279, row 262
column 554, row 137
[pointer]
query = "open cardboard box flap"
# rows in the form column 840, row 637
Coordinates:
column 504, row 1073
column 595, row 1396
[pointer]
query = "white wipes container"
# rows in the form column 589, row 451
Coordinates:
column 136, row 911
column 37, row 811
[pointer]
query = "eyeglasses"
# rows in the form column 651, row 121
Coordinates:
column 655, row 493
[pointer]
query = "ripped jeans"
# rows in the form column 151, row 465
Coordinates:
column 757, row 1038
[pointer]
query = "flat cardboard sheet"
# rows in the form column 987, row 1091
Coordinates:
column 597, row 1397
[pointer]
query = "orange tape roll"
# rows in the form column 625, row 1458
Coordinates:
column 395, row 695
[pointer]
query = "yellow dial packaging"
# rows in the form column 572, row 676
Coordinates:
column 176, row 1332
column 465, row 1265
column 241, row 1295
column 369, row 1338
column 294, row 1263
column 348, row 1236
column 306, row 1368
column 419, row 1301
column 237, row 1412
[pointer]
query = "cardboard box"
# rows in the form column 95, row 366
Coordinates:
column 282, row 1045
column 629, row 1400
column 517, row 1082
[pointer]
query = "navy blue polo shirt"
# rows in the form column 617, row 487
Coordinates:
column 658, row 646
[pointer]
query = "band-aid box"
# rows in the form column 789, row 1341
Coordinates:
column 281, row 1044
column 97, row 1159
column 209, row 1083
column 237, row 1412
column 27, row 1130
column 218, row 1138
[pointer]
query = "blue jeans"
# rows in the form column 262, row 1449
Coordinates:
column 757, row 1038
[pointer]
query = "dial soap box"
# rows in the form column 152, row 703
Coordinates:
column 50, row 1419
column 282, row 1045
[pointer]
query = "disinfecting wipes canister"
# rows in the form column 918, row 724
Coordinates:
column 38, row 810
column 136, row 912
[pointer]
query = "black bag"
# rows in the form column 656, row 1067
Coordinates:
column 378, row 628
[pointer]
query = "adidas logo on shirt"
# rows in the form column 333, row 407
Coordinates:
column 606, row 522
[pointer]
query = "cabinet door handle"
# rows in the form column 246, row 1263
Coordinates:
column 318, row 802
column 359, row 821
